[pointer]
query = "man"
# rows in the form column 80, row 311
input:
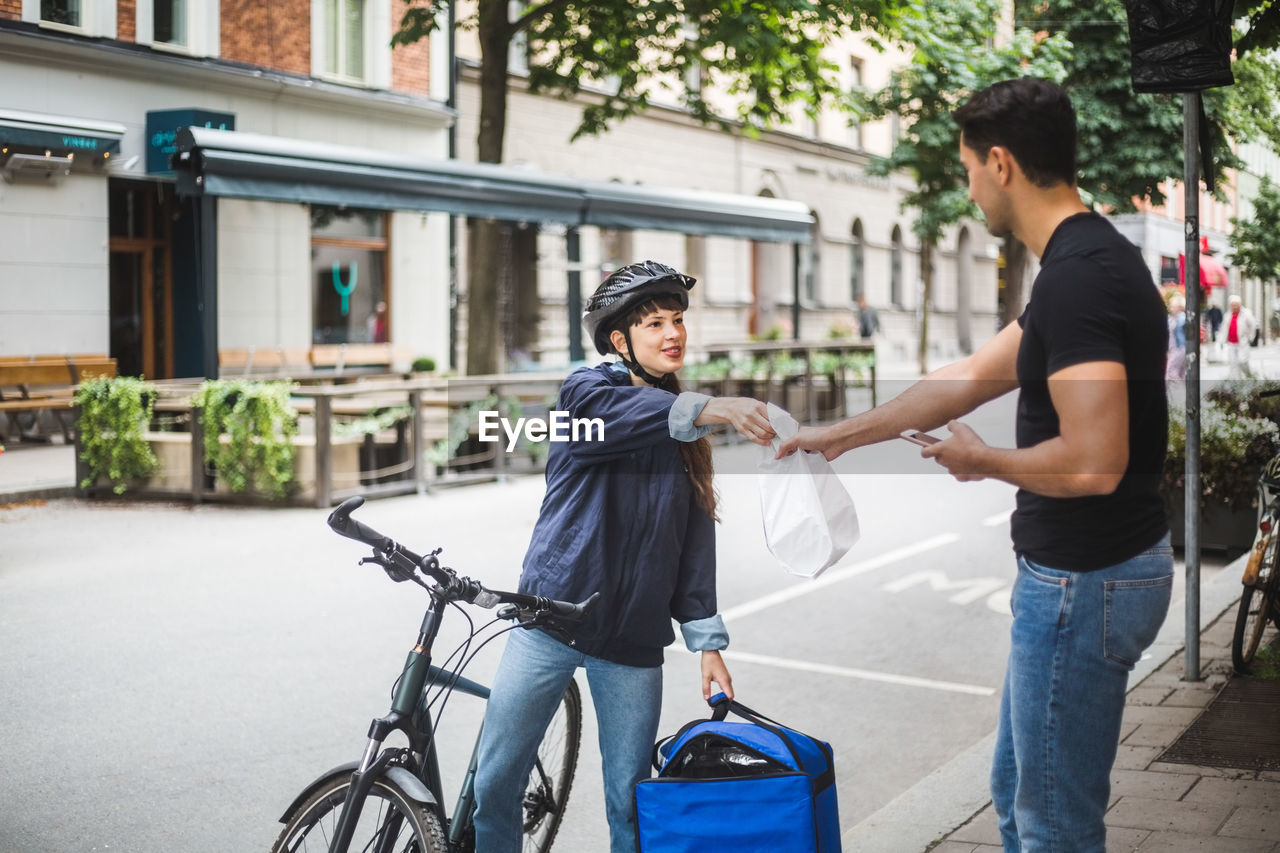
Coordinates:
column 868, row 320
column 1241, row 328
column 1095, row 569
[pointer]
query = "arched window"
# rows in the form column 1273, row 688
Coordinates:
column 810, row 258
column 895, row 268
column 857, row 272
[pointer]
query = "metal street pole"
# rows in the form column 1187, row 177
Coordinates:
column 1191, row 229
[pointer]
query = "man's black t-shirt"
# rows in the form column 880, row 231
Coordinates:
column 1093, row 300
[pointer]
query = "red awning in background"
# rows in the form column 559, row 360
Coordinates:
column 1212, row 272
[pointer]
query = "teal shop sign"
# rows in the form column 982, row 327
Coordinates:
column 162, row 132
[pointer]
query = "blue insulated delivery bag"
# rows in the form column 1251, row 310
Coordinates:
column 749, row 787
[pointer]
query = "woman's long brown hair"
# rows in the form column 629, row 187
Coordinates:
column 697, row 454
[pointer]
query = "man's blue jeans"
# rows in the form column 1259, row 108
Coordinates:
column 1076, row 636
column 531, row 679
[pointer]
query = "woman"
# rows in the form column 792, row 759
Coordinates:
column 631, row 516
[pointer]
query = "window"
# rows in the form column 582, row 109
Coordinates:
column 349, row 275
column 895, row 268
column 615, row 249
column 344, row 26
column 857, row 263
column 855, row 85
column 169, row 22
column 66, row 12
column 518, row 50
column 810, row 256
column 1169, row 271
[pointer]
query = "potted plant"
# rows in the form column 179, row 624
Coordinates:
column 249, row 427
column 114, row 413
column 1239, row 433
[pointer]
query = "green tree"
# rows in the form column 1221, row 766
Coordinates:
column 1255, row 242
column 955, row 53
column 1128, row 143
column 767, row 55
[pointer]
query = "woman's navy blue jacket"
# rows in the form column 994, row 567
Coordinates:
column 620, row 518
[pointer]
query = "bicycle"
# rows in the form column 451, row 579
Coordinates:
column 335, row 812
column 1260, row 600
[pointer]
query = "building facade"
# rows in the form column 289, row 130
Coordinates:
column 100, row 252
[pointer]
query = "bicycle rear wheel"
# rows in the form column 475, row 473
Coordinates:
column 1258, row 605
column 391, row 822
column 552, row 777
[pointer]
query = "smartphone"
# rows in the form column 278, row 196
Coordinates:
column 921, row 438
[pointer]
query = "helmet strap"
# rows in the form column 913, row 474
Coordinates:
column 634, row 366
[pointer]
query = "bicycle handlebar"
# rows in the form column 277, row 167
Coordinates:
column 464, row 589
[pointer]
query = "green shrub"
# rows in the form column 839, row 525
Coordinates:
column 114, row 413
column 260, row 423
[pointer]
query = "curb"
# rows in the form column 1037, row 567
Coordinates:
column 950, row 796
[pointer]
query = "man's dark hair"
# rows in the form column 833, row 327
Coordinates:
column 1032, row 119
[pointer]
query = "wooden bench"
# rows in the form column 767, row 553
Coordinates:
column 31, row 385
column 263, row 362
column 353, row 358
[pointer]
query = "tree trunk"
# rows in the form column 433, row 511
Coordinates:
column 485, row 267
column 926, row 275
column 1015, row 271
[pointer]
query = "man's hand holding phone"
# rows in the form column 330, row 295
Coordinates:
column 921, row 438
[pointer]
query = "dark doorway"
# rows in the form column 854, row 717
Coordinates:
column 141, row 275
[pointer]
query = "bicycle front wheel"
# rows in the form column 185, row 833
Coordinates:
column 1258, row 604
column 391, row 822
column 552, row 777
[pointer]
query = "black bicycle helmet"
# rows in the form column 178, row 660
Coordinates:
column 621, row 292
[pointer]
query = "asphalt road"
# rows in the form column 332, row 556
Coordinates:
column 174, row 675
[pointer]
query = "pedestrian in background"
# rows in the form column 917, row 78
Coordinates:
column 630, row 514
column 868, row 320
column 1176, row 366
column 1241, row 328
column 1095, row 569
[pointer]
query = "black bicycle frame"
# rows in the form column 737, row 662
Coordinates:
column 417, row 674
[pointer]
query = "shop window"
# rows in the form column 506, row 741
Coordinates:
column 349, row 276
column 1169, row 271
column 344, row 31
column 810, row 261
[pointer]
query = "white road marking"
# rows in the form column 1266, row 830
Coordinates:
column 835, row 576
column 863, row 674
column 997, row 519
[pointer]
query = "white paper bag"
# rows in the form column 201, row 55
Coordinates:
column 809, row 519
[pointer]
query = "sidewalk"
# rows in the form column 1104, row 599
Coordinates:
column 1155, row 806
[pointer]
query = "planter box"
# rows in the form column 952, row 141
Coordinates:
column 1221, row 529
column 173, row 452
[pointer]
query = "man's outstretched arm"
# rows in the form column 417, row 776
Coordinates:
column 943, row 395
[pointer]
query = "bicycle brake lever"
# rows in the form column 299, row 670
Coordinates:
column 395, row 573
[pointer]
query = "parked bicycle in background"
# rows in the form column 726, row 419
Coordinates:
column 1260, row 598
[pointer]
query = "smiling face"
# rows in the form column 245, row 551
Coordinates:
column 659, row 338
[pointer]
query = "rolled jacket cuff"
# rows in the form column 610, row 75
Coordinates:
column 684, row 411
column 705, row 635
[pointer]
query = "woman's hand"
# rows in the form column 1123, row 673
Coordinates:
column 713, row 669
column 749, row 417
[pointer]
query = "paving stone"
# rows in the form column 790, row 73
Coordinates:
column 1238, row 792
column 1155, row 786
column 1147, row 695
column 1168, row 816
column 1154, row 734
column 1198, row 769
column 954, row 847
column 1174, row 842
column 983, row 829
column 1190, row 697
column 1160, row 714
column 1135, row 757
column 1262, row 824
column 1127, row 728
column 1120, row 840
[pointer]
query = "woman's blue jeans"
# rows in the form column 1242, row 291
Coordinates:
column 531, row 679
column 1076, row 636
